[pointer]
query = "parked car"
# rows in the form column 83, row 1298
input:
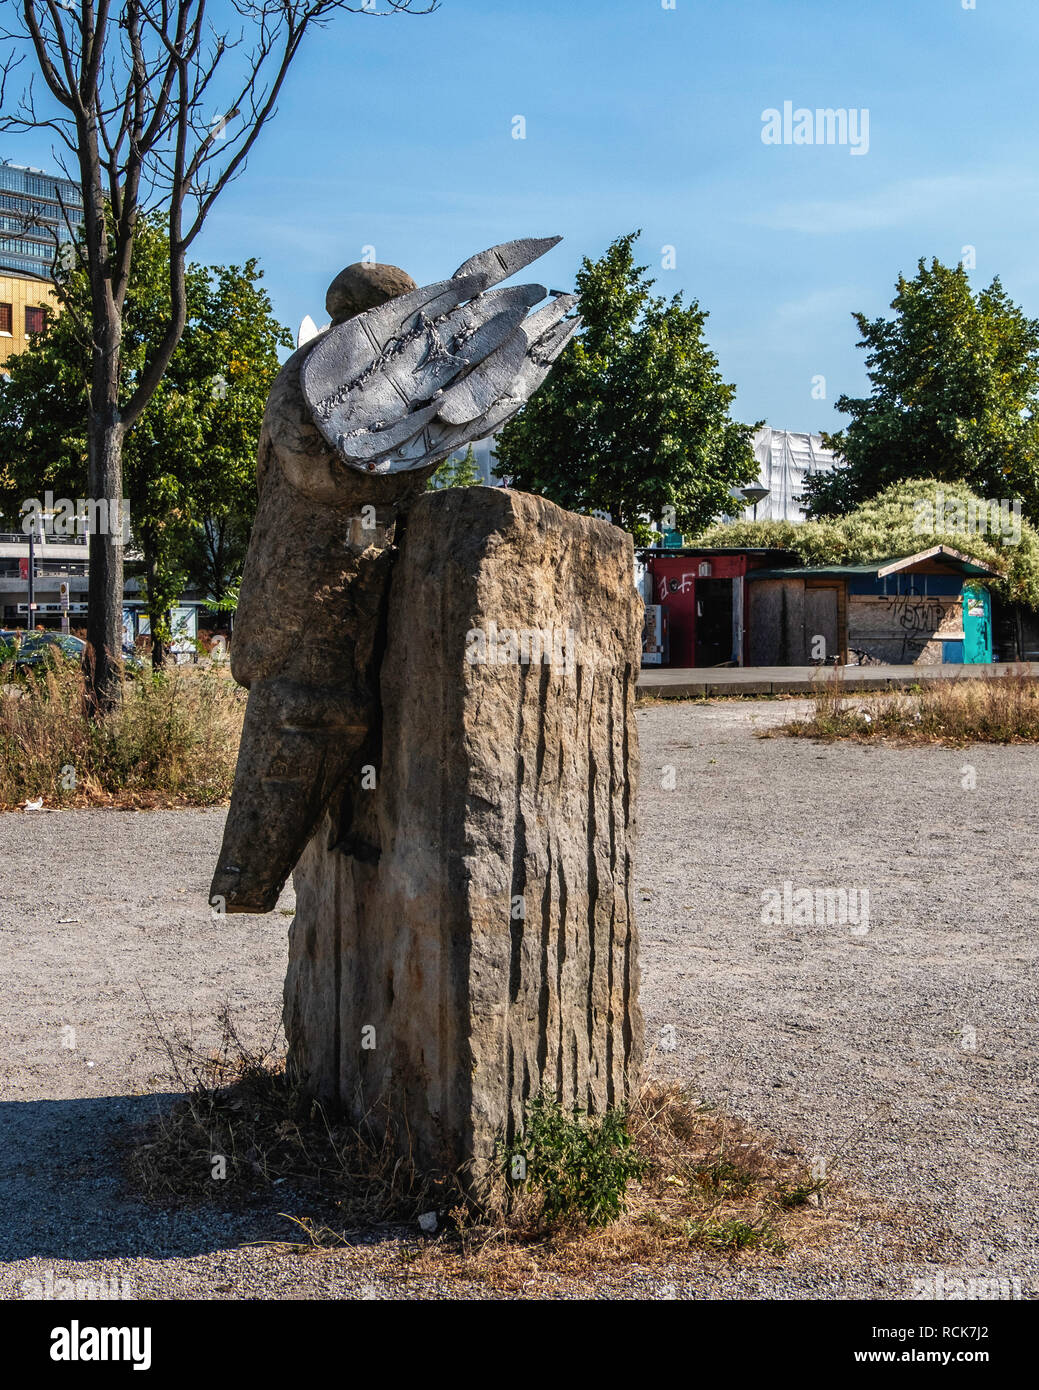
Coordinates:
column 28, row 649
column 31, row 648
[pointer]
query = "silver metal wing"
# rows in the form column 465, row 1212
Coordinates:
column 409, row 382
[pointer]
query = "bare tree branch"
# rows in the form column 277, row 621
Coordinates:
column 128, row 85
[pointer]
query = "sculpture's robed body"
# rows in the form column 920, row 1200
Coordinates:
column 356, row 421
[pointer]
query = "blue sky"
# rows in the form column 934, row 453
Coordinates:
column 397, row 133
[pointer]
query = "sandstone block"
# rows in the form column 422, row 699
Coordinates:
column 471, row 937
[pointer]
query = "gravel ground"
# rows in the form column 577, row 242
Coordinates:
column 900, row 1048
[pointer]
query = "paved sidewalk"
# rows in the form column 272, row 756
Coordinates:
column 679, row 683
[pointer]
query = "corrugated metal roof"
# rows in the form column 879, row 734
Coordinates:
column 706, row 551
column 879, row 568
column 813, row 571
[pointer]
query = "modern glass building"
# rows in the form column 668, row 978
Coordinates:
column 33, row 209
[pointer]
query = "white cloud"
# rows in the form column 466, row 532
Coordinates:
column 817, row 305
column 898, row 203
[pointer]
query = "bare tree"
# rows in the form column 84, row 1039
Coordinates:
column 157, row 104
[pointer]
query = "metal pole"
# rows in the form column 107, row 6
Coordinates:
column 32, row 576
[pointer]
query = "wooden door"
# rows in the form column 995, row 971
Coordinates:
column 822, row 633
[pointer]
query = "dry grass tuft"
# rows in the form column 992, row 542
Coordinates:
column 244, row 1129
column 710, row 1183
column 1003, row 709
column 172, row 742
column 711, row 1187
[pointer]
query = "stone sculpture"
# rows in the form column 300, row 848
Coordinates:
column 357, row 420
column 439, row 736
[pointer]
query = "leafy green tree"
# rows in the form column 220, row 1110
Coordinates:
column 189, row 459
column 456, row 472
column 634, row 418
column 954, row 392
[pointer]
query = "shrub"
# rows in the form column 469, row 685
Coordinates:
column 579, row 1166
column 173, row 738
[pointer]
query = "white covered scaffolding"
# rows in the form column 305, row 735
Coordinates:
column 785, row 459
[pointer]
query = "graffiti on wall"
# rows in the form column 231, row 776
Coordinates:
column 915, row 613
column 902, row 628
column 673, row 585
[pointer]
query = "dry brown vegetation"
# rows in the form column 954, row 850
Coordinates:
column 712, row 1187
column 1001, row 709
column 242, row 1106
column 172, row 742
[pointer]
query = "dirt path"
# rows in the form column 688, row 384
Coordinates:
column 900, row 1047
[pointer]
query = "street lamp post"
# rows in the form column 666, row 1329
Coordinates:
column 32, row 576
column 755, row 493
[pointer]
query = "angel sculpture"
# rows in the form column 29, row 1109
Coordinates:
column 356, row 421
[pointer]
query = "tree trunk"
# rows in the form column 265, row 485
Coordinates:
column 158, row 617
column 105, row 485
column 159, row 652
column 105, row 589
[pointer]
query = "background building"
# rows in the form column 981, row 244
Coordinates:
column 714, row 606
column 21, row 311
column 60, row 580
column 785, row 459
column 36, row 210
column 926, row 609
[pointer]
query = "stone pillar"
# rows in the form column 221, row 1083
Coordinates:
column 471, row 938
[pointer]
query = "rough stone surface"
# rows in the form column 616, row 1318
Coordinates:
column 466, row 934
column 485, row 944
column 305, row 643
column 364, row 286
